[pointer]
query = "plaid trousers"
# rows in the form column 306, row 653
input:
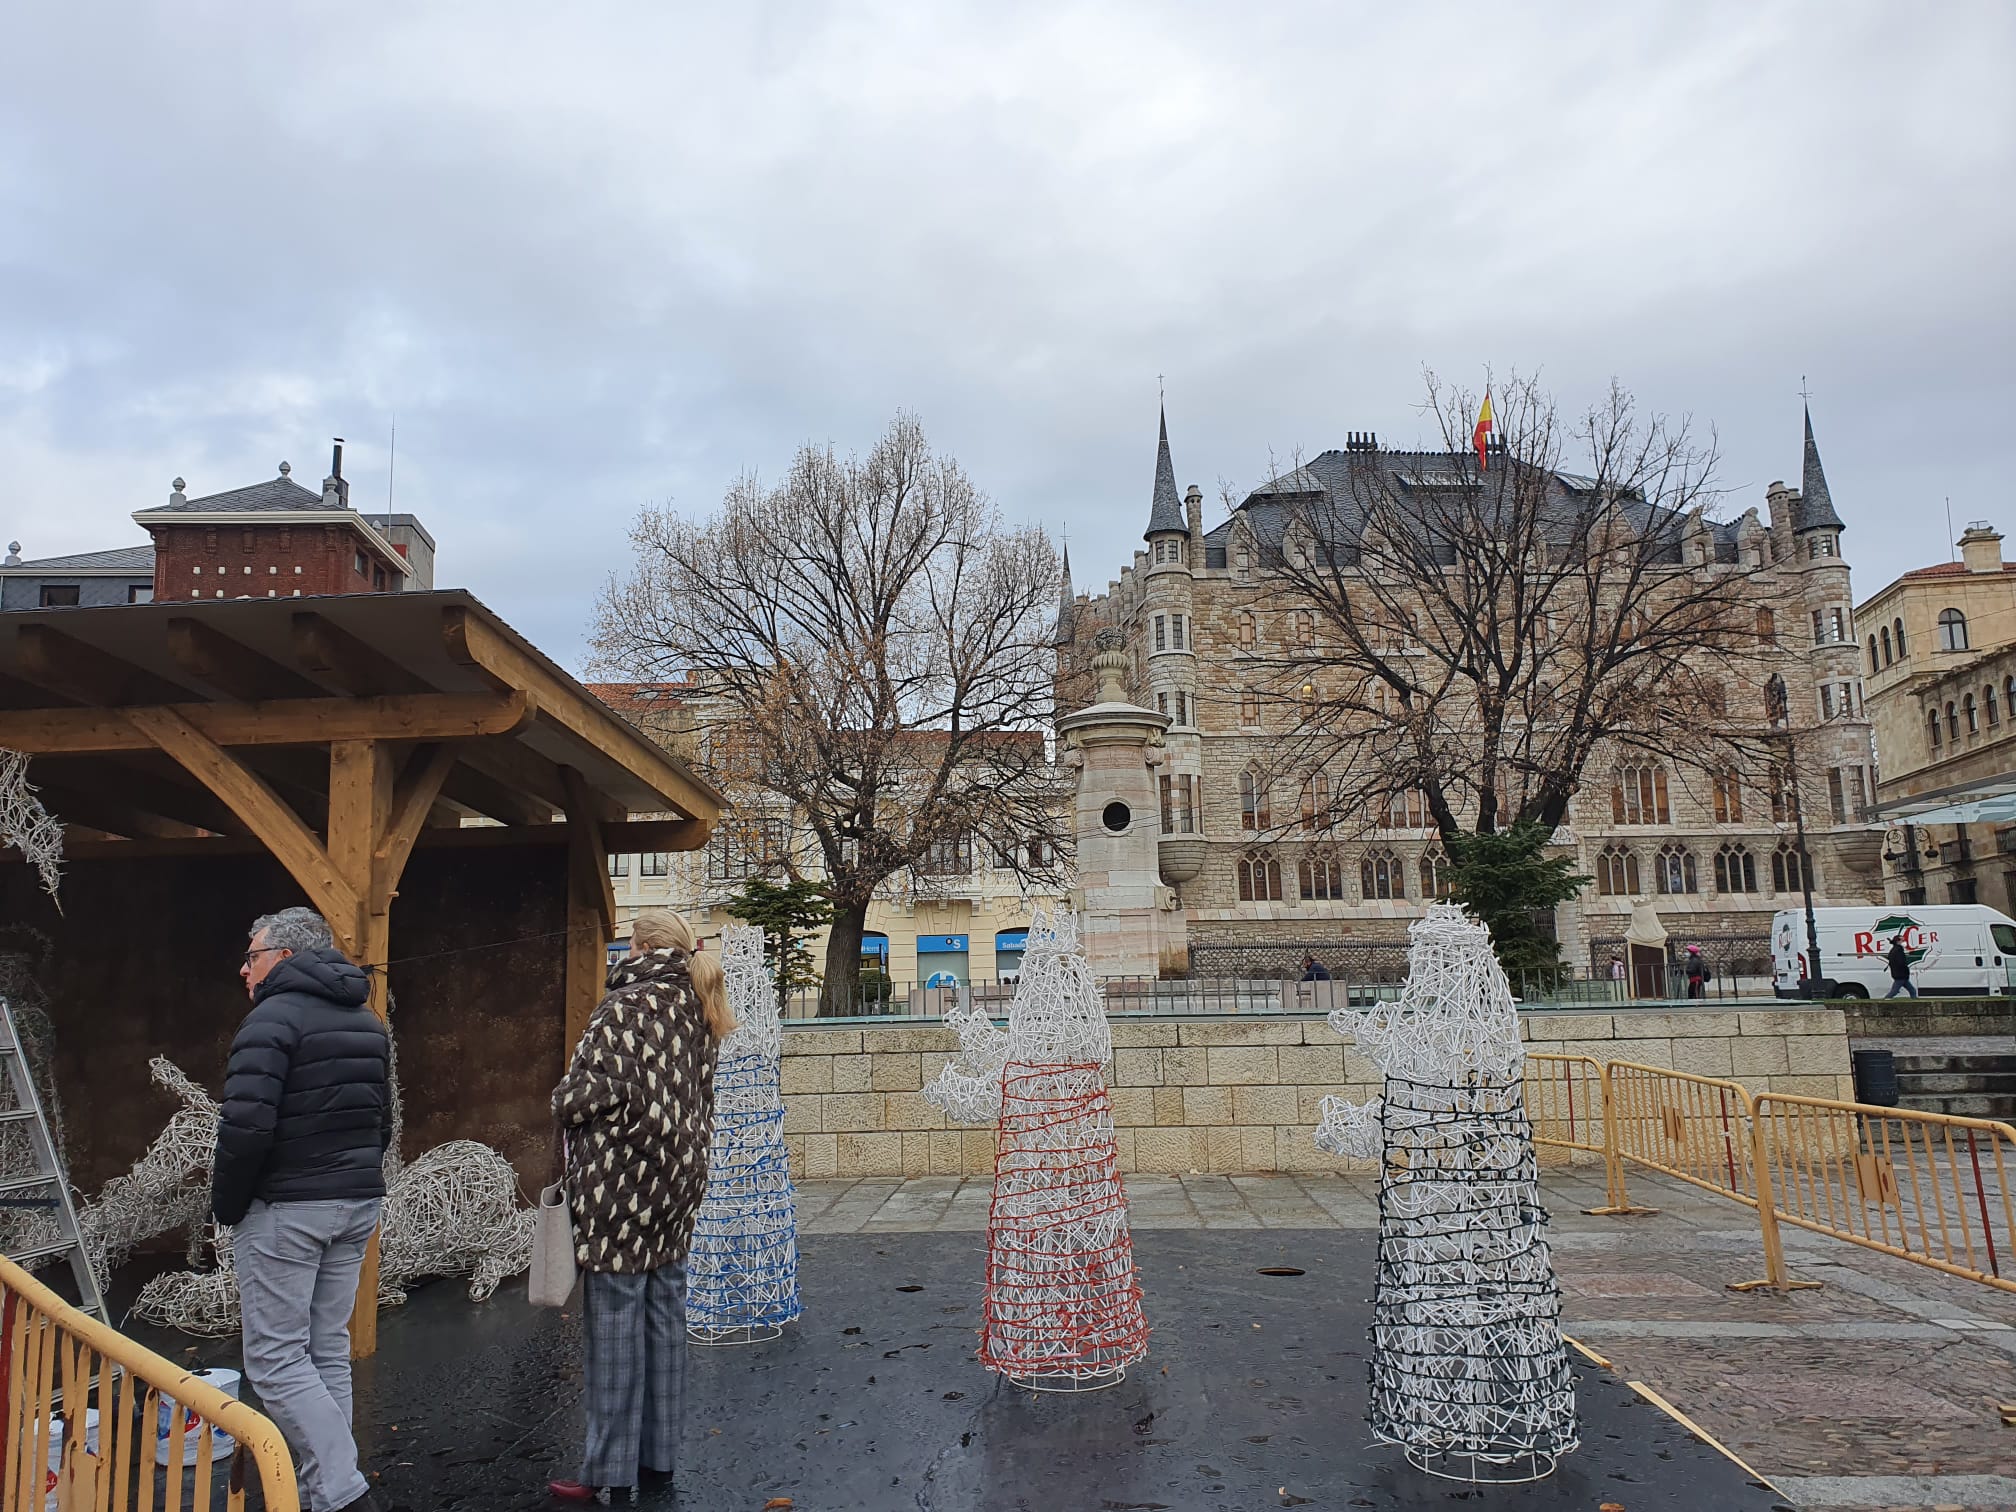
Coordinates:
column 634, row 1369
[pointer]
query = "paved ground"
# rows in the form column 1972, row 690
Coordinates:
column 1879, row 1390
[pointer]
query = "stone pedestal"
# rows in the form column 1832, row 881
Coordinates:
column 1114, row 749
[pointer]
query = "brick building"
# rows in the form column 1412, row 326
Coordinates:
column 1266, row 883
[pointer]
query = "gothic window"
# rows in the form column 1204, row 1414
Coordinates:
column 1381, row 874
column 1248, row 631
column 1874, row 664
column 1436, row 879
column 1316, row 802
column 1786, row 873
column 1259, row 878
column 1728, row 798
column 1952, row 721
column 1617, row 872
column 1952, row 630
column 1735, row 870
column 1884, row 636
column 1673, row 870
column 1321, row 878
column 1639, row 796
column 1253, row 806
column 1408, row 810
column 1898, row 626
column 1973, row 720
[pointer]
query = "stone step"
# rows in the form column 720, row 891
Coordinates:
column 1945, row 1065
column 2000, row 1105
column 1956, row 1081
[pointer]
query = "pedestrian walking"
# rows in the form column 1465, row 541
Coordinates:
column 1698, row 973
column 300, row 1176
column 1899, row 960
column 636, row 1109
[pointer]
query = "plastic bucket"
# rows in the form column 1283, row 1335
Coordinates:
column 56, row 1450
column 175, row 1421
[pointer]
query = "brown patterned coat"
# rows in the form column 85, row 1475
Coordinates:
column 637, row 1106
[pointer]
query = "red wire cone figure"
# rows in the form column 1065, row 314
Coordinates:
column 1062, row 1308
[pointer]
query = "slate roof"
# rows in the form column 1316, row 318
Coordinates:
column 1419, row 478
column 138, row 560
column 275, row 496
column 1167, row 513
column 1816, row 508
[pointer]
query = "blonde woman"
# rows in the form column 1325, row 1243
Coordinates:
column 637, row 1106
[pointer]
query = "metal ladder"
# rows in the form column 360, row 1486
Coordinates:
column 45, row 1185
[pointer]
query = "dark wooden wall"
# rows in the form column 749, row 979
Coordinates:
column 145, row 963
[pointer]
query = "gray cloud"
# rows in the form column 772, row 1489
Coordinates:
column 593, row 258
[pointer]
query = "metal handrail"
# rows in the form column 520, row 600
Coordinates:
column 55, row 1362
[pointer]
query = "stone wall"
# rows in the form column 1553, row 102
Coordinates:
column 1234, row 1096
column 1930, row 1017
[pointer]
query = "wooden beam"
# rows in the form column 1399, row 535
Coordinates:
column 566, row 705
column 136, row 781
column 291, row 721
column 584, row 850
column 230, row 667
column 523, row 769
column 100, row 811
column 412, row 801
column 292, row 843
column 334, row 656
column 591, row 912
column 62, row 664
column 638, row 835
column 493, row 799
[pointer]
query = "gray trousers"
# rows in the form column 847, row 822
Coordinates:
column 633, row 1373
column 297, row 1282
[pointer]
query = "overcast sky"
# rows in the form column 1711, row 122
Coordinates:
column 594, row 257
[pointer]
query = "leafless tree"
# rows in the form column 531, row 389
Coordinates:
column 876, row 642
column 1457, row 636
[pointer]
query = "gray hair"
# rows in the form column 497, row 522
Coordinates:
column 295, row 929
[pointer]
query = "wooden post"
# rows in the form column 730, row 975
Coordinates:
column 360, row 810
column 591, row 911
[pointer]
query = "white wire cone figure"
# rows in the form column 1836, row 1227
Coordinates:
column 742, row 1272
column 1063, row 1307
column 1469, row 1374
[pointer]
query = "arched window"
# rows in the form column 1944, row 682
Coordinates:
column 1617, row 872
column 1728, row 798
column 1932, row 724
column 1874, row 664
column 1381, row 874
column 1316, row 802
column 1785, row 870
column 1884, row 636
column 1767, row 627
column 1735, row 870
column 1248, row 631
column 1436, row 879
column 1321, row 876
column 1952, row 721
column 1253, row 806
column 1408, row 810
column 1973, row 723
column 1988, row 703
column 1259, row 878
column 1673, row 869
column 1952, row 630
column 1638, row 796
column 1897, row 627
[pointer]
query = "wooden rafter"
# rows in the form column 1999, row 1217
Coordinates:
column 71, row 668
column 101, row 811
column 627, row 838
column 483, row 794
column 215, row 660
column 293, row 721
column 336, row 657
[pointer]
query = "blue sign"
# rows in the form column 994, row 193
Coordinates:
column 1012, row 939
column 941, row 979
column 930, row 944
column 875, row 945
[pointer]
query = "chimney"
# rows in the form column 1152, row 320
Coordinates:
column 1981, row 547
column 1193, row 508
column 335, row 487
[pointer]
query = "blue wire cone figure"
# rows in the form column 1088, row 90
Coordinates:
column 742, row 1273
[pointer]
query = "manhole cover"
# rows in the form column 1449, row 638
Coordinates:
column 1282, row 1270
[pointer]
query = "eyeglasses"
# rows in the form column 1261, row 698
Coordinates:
column 258, row 950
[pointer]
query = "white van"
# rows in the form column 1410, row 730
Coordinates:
column 1957, row 949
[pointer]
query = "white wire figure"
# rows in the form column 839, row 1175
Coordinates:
column 1469, row 1374
column 27, row 826
column 1063, row 1305
column 742, row 1270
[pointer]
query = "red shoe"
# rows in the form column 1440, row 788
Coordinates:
column 570, row 1491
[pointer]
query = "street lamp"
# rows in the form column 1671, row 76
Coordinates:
column 1778, row 704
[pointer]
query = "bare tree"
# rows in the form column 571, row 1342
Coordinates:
column 877, row 643
column 1457, row 636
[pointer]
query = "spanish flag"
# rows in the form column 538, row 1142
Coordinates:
column 1481, row 430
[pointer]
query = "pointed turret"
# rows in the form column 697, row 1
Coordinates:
column 1167, row 515
column 1816, row 508
column 1062, row 634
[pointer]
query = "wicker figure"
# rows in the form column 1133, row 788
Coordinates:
column 742, row 1273
column 1062, row 1307
column 1469, row 1374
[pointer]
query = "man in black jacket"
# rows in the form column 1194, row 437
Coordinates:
column 300, row 1175
column 1899, row 960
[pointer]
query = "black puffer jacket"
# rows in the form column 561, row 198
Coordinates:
column 307, row 1106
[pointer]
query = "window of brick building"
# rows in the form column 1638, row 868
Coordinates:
column 140, row 593
column 1786, row 870
column 1617, row 872
column 1408, row 810
column 1176, row 631
column 1179, row 804
column 1767, row 627
column 1249, row 708
column 1321, row 878
column 1673, row 870
column 1253, row 807
column 654, row 864
column 1952, row 630
column 1316, row 802
column 1259, row 878
column 1248, row 631
column 1735, row 870
column 1728, row 798
column 59, row 595
column 1988, row 706
column 1932, row 727
column 948, row 856
column 1973, row 719
column 1437, row 881
column 1161, row 633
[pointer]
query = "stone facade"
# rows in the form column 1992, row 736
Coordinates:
column 1192, row 605
column 1237, row 1096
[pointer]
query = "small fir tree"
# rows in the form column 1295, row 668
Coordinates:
column 1507, row 879
column 786, row 912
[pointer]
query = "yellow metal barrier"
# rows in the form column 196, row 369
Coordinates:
column 1929, row 1187
column 1701, row 1130
column 1568, row 1101
column 59, row 1366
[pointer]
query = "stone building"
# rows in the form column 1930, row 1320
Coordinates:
column 85, row 579
column 1257, row 884
column 1940, row 644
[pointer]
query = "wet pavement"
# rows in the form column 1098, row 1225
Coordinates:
column 1253, row 1396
